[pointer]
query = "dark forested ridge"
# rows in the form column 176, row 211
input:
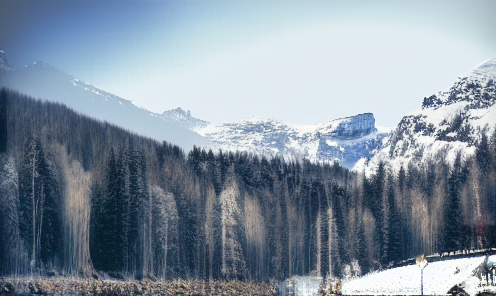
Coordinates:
column 82, row 197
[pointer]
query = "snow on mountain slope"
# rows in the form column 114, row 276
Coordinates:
column 344, row 140
column 450, row 122
column 439, row 278
column 43, row 81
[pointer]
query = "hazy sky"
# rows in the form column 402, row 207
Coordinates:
column 304, row 62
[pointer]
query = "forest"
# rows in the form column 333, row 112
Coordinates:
column 81, row 197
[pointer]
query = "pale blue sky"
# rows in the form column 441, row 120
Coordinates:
column 303, row 62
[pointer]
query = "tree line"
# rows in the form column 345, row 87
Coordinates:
column 84, row 197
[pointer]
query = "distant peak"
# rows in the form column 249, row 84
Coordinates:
column 4, row 63
column 183, row 118
column 177, row 111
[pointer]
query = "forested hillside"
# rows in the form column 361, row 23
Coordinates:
column 84, row 197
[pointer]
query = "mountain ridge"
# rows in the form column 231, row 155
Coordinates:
column 43, row 81
column 344, row 140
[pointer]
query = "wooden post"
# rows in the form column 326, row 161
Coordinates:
column 422, row 263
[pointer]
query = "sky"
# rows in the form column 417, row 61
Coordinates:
column 303, row 62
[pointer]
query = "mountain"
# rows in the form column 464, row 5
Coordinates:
column 43, row 81
column 450, row 122
column 345, row 140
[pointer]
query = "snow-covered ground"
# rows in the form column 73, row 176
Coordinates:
column 439, row 278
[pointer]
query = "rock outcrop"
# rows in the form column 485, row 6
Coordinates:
column 182, row 118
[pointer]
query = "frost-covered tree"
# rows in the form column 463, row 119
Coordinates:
column 13, row 255
column 233, row 262
column 333, row 240
column 164, row 232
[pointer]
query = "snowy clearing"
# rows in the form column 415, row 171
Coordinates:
column 439, row 277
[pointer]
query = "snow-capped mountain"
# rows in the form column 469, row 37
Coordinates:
column 345, row 140
column 450, row 122
column 40, row 80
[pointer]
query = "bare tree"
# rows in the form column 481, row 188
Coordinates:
column 76, row 200
column 255, row 235
column 165, row 232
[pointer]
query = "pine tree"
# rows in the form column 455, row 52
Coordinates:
column 453, row 222
column 396, row 229
column 107, row 244
column 98, row 228
column 40, row 201
column 137, row 201
column 483, row 154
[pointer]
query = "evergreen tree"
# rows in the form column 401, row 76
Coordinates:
column 483, row 154
column 136, row 203
column 401, row 179
column 40, row 201
column 98, row 228
column 107, row 245
column 396, row 227
column 453, row 222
